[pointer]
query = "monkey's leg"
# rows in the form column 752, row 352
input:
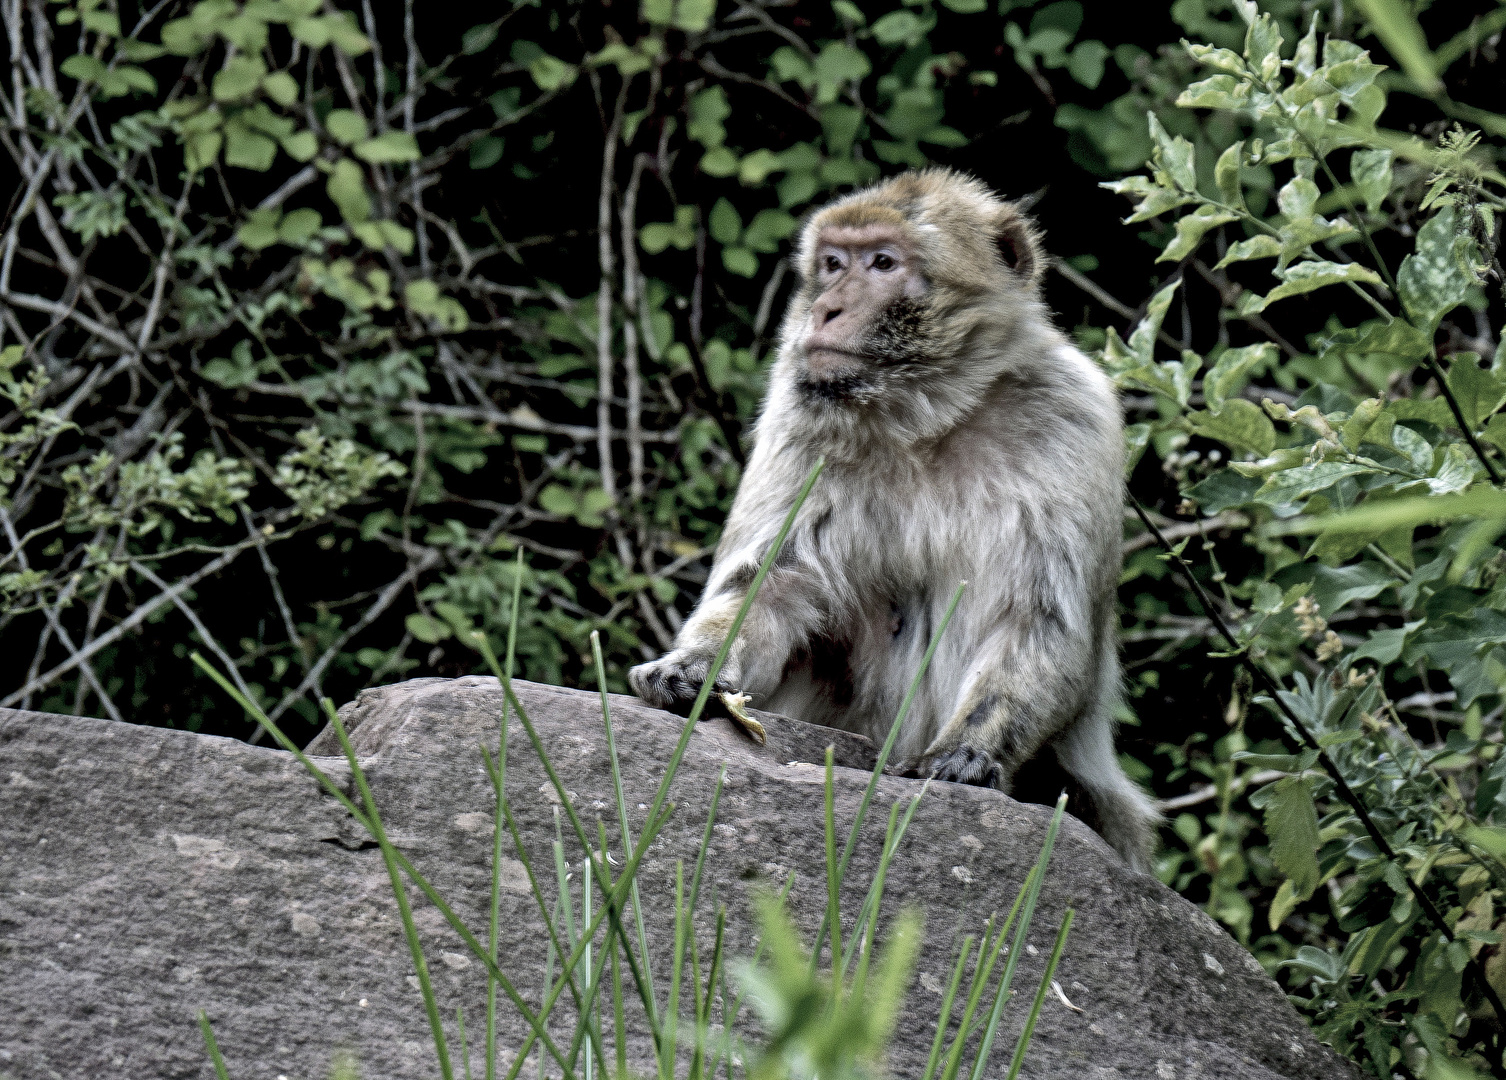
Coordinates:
column 986, row 742
column 1036, row 678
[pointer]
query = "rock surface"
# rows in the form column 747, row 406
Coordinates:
column 146, row 874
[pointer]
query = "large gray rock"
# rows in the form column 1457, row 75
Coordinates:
column 146, row 874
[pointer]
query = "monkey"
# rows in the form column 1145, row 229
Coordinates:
column 965, row 439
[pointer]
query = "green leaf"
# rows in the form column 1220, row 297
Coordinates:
column 248, row 149
column 1216, row 92
column 239, row 78
column 478, row 38
column 1086, row 63
column 301, row 145
column 1291, row 825
column 299, row 226
column 849, row 11
column 723, row 223
column 1283, row 904
column 551, row 73
column 1175, row 157
column 428, row 630
column 378, row 234
column 1371, row 172
column 1481, row 502
column 1240, row 425
column 424, row 298
column 1435, row 278
column 1233, row 369
column 719, row 162
column 1383, row 646
column 83, row 67
column 1478, row 391
column 740, row 261
column 899, row 28
column 388, row 147
column 1335, row 586
column 281, row 88
column 839, row 126
column 767, row 229
column 1397, row 338
column 1262, row 246
column 1304, row 277
column 345, row 126
column 1226, row 175
column 486, row 151
column 259, row 230
column 965, row 7
column 346, row 188
column 1191, row 229
column 1294, row 485
column 838, row 64
column 104, row 23
column 201, row 149
column 705, row 113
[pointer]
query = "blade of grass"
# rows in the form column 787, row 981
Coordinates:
column 700, row 859
column 560, row 900
column 405, row 912
column 1034, row 890
column 1040, row 996
column 650, row 1000
column 944, row 1021
column 994, row 937
column 875, row 888
column 550, row 922
column 833, row 882
column 501, row 782
column 672, row 1010
column 591, row 1015
column 867, row 925
column 214, row 1047
column 465, row 1053
column 884, row 752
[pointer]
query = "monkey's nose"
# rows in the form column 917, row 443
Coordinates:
column 831, row 314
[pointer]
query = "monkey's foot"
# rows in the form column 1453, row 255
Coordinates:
column 674, row 681
column 966, row 765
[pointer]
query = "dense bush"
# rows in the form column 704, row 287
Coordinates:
column 312, row 316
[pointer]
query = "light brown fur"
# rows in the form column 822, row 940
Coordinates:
column 967, row 439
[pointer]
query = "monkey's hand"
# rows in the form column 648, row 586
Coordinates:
column 674, row 680
column 968, row 765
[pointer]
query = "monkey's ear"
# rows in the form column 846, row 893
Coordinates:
column 1019, row 243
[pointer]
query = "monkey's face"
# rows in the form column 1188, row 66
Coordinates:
column 869, row 311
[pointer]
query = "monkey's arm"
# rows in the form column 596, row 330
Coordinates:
column 789, row 605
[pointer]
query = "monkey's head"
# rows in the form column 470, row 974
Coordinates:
column 910, row 293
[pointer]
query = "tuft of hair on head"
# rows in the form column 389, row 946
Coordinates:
column 957, row 224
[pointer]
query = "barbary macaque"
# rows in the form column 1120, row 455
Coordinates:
column 965, row 439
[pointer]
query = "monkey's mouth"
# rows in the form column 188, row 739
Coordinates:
column 832, row 357
column 835, row 387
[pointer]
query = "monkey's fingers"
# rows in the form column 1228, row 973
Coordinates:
column 967, row 765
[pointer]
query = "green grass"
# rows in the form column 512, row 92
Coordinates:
column 827, row 1009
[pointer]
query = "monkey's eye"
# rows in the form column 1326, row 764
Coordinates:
column 833, row 264
column 882, row 262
